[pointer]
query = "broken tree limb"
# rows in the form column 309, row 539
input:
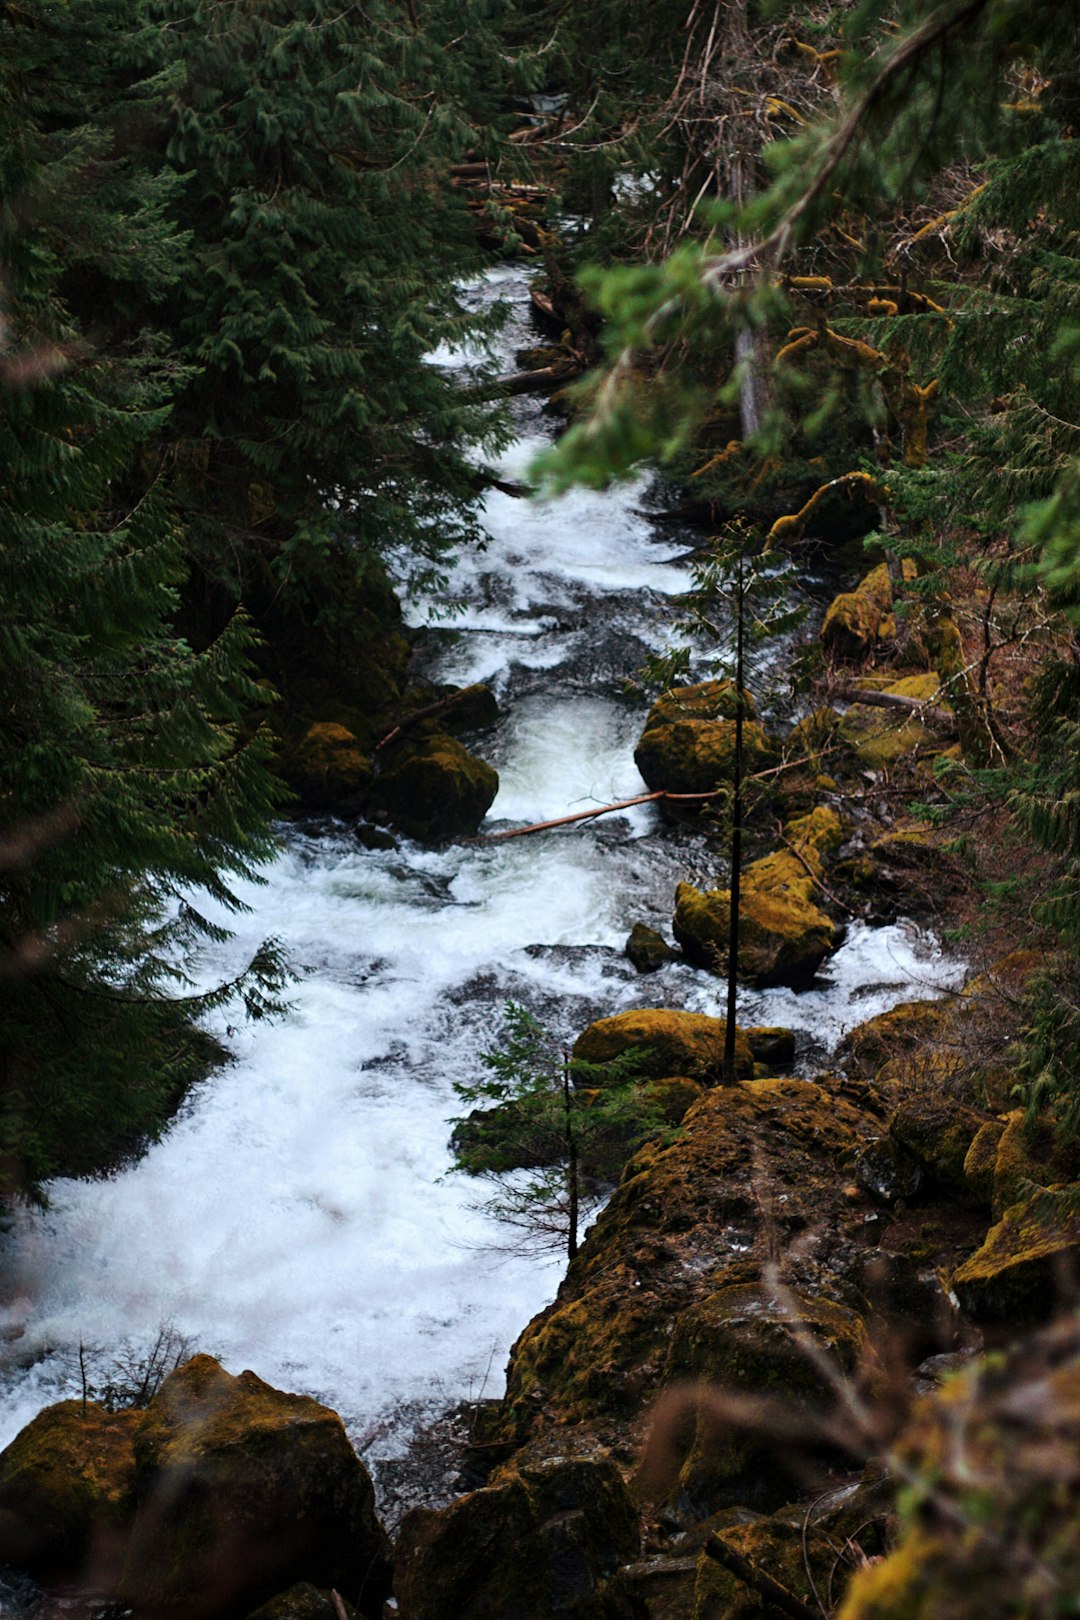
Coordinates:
column 539, row 381
column 917, row 708
column 424, row 713
column 590, row 815
column 757, row 1580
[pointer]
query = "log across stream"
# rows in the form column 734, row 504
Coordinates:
column 298, row 1217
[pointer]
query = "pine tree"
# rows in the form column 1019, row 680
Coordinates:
column 131, row 776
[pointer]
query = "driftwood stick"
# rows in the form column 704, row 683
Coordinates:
column 929, row 713
column 424, row 713
column 590, row 815
column 757, row 1580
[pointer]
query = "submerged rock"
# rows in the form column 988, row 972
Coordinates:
column 434, row 788
column 784, row 936
column 689, row 739
column 222, row 1492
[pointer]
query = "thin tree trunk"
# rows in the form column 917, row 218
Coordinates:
column 736, row 837
column 572, row 1189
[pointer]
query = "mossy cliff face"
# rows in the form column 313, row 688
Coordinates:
column 221, row 1493
column 784, row 936
column 761, row 1162
column 671, row 1042
column 541, row 1543
column 688, row 745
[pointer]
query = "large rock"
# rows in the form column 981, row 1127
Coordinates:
column 857, row 620
column 760, row 1162
column 538, row 1546
column 784, row 936
column 220, row 1494
column 688, row 744
column 937, row 1131
column 434, row 788
column 329, row 771
column 672, row 1043
column 1025, row 1266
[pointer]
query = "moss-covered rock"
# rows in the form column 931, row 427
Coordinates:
column 67, row 1485
column 328, row 771
column 648, row 950
column 679, row 1215
column 881, row 737
column 304, row 1602
column 855, row 621
column 895, row 1034
column 775, row 1546
column 241, row 1491
column 540, row 1544
column 981, row 1159
column 434, row 788
column 673, row 1042
column 784, row 936
column 771, row 1044
column 689, row 739
column 1017, row 1274
column 1029, row 1157
column 218, row 1495
column 938, row 1130
column 743, row 1339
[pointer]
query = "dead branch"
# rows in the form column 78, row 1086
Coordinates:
column 811, row 874
column 756, row 1579
column 928, row 713
column 438, row 707
column 600, row 810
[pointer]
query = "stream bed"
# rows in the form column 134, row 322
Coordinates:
column 299, row 1217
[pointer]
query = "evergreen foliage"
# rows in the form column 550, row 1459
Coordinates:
column 555, row 1125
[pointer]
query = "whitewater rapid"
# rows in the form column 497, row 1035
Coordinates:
column 299, row 1217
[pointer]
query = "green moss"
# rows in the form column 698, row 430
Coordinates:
column 676, row 1043
column 434, row 788
column 1013, row 1277
column 892, row 1035
column 689, row 739
column 784, row 936
column 937, row 1131
column 328, row 771
column 981, row 1159
column 856, row 620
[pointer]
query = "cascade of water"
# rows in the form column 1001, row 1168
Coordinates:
column 298, row 1217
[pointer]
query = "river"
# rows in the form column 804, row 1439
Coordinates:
column 299, row 1217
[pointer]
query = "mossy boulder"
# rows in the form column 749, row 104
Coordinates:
column 771, row 1044
column 791, row 1555
column 681, row 1213
column 218, row 1495
column 937, row 1131
column 892, row 1035
column 981, row 1160
column 67, row 1491
column 243, row 1490
column 1017, row 1276
column 648, row 950
column 304, row 1602
column 671, row 1042
column 743, row 1339
column 541, row 1544
column 434, row 788
column 784, row 936
column 328, row 771
column 689, row 739
column 1029, row 1157
column 855, row 621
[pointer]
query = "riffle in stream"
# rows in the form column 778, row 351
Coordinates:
column 298, row 1217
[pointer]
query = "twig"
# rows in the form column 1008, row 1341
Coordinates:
column 811, row 874
column 424, row 713
column 757, row 1580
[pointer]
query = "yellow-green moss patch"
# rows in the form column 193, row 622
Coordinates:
column 676, row 1042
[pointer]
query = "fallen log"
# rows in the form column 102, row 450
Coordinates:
column 590, row 815
column 541, row 381
column 916, row 708
column 425, row 713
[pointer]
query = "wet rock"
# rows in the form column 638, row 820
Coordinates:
column 887, row 1172
column 67, row 1492
column 745, row 1340
column 784, row 936
column 328, row 771
column 540, row 1544
column 771, row 1045
column 673, row 1043
column 1028, row 1159
column 689, row 739
column 981, row 1159
column 760, row 1164
column 434, row 788
column 648, row 950
column 220, row 1493
column 783, row 1550
column 304, row 1602
column 937, row 1131
column 895, row 1034
column 881, row 737
column 1026, row 1265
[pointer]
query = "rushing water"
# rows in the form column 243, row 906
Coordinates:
column 298, row 1217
